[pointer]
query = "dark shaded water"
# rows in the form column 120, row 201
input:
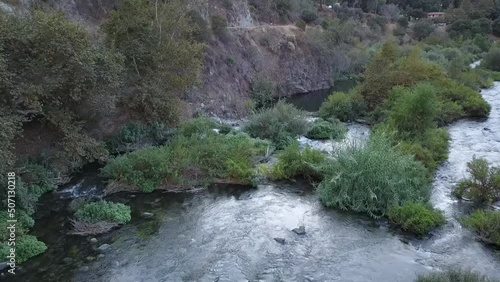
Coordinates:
column 227, row 233
column 311, row 101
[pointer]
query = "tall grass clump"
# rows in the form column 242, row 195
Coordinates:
column 373, row 178
column 454, row 275
column 280, row 124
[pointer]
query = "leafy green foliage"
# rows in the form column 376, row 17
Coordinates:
column 308, row 16
column 280, row 124
column 27, row 246
column 342, row 106
column 484, row 185
column 197, row 155
column 219, row 25
column 486, row 224
column 51, row 72
column 416, row 218
column 373, row 179
column 262, row 92
column 301, row 24
column 135, row 132
column 423, row 28
column 294, row 162
column 103, row 211
column 327, row 129
column 155, row 46
column 491, row 60
column 454, row 275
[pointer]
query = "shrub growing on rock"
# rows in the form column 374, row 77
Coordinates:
column 103, row 211
column 280, row 124
column 262, row 92
column 323, row 129
column 373, row 178
column 301, row 24
column 454, row 275
column 486, row 224
column 308, row 16
column 483, row 187
column 416, row 218
column 343, row 106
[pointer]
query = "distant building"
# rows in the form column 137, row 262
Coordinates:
column 435, row 15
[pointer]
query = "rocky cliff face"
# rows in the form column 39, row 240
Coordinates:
column 257, row 44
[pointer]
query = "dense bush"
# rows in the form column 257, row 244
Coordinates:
column 484, row 185
column 416, row 218
column 486, row 224
column 373, row 178
column 219, row 25
column 454, row 275
column 191, row 158
column 491, row 60
column 294, row 162
column 135, row 132
column 339, row 105
column 308, row 16
column 27, row 246
column 262, row 92
column 76, row 85
column 280, row 124
column 301, row 24
column 327, row 129
column 103, row 211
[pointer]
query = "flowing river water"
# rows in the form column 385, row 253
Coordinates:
column 227, row 233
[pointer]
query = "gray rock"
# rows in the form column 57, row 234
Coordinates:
column 84, row 268
column 291, row 46
column 282, row 241
column 487, row 129
column 93, row 240
column 89, row 258
column 3, row 265
column 103, row 248
column 116, row 263
column 300, row 231
column 147, row 215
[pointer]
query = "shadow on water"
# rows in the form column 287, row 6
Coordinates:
column 311, row 101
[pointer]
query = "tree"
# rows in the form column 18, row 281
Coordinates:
column 50, row 72
column 423, row 28
column 161, row 57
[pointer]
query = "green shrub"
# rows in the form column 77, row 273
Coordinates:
column 283, row 6
column 103, row 211
column 416, row 218
column 454, row 275
column 322, row 129
column 197, row 126
column 486, row 224
column 294, row 162
column 262, row 92
column 135, row 132
column 484, row 185
column 201, row 33
column 27, row 246
column 373, row 178
column 342, row 106
column 189, row 159
column 308, row 16
column 491, row 60
column 301, row 24
column 280, row 124
column 219, row 25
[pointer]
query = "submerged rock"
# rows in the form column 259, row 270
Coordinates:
column 300, row 231
column 282, row 241
column 147, row 215
column 3, row 265
column 93, row 240
column 67, row 260
column 103, row 248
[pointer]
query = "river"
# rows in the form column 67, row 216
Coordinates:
column 227, row 233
